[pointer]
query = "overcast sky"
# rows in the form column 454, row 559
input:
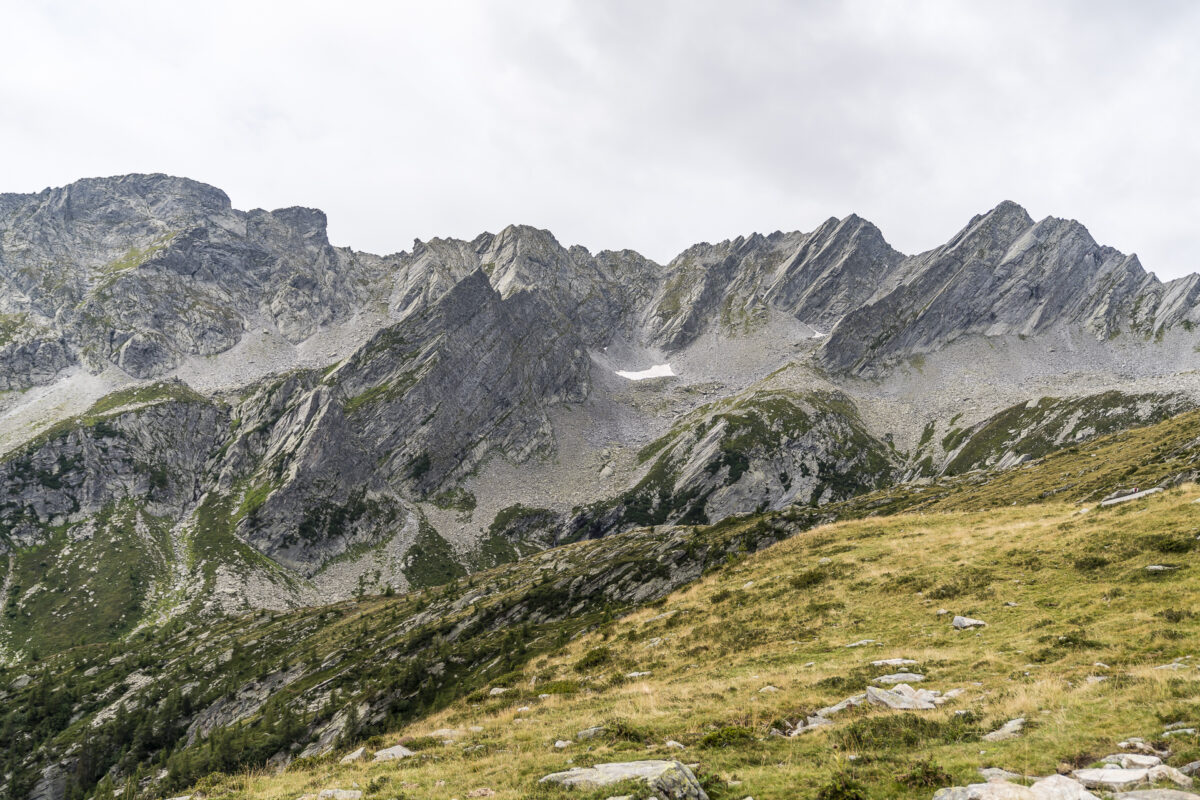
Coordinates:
column 640, row 124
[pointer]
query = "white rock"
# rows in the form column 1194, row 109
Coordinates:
column 768, row 689
column 1132, row 760
column 1162, row 773
column 898, row 699
column 1009, row 730
column 900, row 677
column 1111, row 780
column 340, row 794
column 655, row 773
column 394, row 753
column 862, row 643
column 638, row 674
column 673, row 745
column 497, row 691
column 894, row 662
column 562, row 744
column 357, row 755
column 963, row 623
column 1060, row 787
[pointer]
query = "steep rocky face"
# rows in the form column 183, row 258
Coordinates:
column 1004, row 275
column 599, row 294
column 765, row 449
column 143, row 270
column 814, row 277
column 151, row 445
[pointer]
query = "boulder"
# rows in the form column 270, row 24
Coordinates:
column 1060, row 787
column 902, row 700
column 394, row 753
column 357, row 755
column 901, row 677
column 964, row 623
column 669, row 779
column 1156, row 794
column 1132, row 760
column 340, row 794
column 1111, row 780
column 1009, row 730
column 894, row 662
column 590, row 733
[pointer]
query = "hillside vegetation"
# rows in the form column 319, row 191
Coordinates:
column 1078, row 635
column 714, row 619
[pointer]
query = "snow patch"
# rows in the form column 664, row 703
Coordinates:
column 657, row 371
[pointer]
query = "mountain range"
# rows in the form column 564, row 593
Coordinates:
column 210, row 412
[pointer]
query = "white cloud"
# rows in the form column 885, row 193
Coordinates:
column 626, row 124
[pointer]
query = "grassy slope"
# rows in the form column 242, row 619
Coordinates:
column 762, row 621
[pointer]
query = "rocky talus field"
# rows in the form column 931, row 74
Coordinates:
column 794, row 515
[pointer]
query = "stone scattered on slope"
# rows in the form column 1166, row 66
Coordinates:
column 357, row 755
column 894, row 662
column 1156, row 794
column 562, row 744
column 1112, row 501
column 671, row 779
column 1060, row 787
column 901, row 677
column 1009, row 730
column 340, row 794
column 809, row 724
column 1055, row 787
column 590, row 733
column 1120, row 779
column 964, row 623
column 863, row 643
column 909, row 700
column 1191, row 768
column 394, row 753
column 1132, row 760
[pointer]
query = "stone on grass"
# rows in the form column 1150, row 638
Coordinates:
column 963, row 623
column 340, row 794
column 394, row 753
column 894, row 662
column 1162, row 773
column 901, row 677
column 900, row 699
column 1060, row 787
column 670, row 779
column 590, row 733
column 562, row 744
column 849, row 702
column 1132, row 760
column 357, row 755
column 673, row 745
column 1111, row 780
column 1156, row 794
column 1009, row 730
column 862, row 643
column 768, row 689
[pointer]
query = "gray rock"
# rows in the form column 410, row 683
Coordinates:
column 900, row 677
column 669, row 779
column 393, row 753
column 1111, row 780
column 963, row 623
column 1009, row 730
column 899, row 699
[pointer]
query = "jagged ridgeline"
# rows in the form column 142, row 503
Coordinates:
column 207, row 413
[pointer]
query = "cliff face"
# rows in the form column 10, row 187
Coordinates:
column 1004, row 274
column 143, row 270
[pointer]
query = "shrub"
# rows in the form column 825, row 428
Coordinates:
column 593, row 658
column 1090, row 563
column 728, row 736
column 809, row 578
column 843, row 786
column 908, row 730
column 924, row 773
